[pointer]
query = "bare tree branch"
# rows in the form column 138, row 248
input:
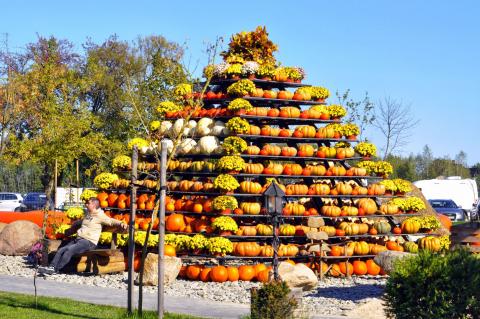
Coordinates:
column 395, row 121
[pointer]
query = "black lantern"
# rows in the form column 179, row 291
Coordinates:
column 274, row 205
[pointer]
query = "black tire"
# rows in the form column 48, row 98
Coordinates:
column 17, row 210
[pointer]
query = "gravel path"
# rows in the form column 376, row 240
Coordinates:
column 333, row 296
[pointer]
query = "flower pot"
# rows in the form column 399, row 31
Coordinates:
column 226, row 233
column 235, row 77
column 267, row 78
column 227, row 211
column 366, row 158
column 240, row 112
column 233, row 172
column 251, row 77
column 352, row 137
column 298, row 81
column 320, row 100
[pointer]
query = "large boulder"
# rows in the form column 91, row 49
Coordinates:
column 297, row 276
column 150, row 273
column 387, row 259
column 17, row 238
column 2, row 226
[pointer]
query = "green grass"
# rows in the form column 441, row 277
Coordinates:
column 19, row 306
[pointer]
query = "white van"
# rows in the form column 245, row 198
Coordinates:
column 463, row 192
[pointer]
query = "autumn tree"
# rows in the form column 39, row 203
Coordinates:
column 53, row 122
column 120, row 74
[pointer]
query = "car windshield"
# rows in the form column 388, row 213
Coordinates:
column 443, row 204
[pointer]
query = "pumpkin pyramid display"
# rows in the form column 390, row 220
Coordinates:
column 257, row 124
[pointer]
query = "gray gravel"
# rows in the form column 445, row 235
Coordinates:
column 332, row 296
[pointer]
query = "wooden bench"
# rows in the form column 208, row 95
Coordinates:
column 100, row 261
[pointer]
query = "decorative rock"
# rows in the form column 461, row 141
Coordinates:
column 387, row 259
column 2, row 226
column 298, row 276
column 17, row 238
column 172, row 268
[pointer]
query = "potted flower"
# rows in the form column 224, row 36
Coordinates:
column 183, row 90
column 182, row 243
column 238, row 125
column 225, row 204
column 366, row 150
column 383, row 169
column 234, row 71
column 225, row 183
column 281, row 74
column 265, row 72
column 234, row 145
column 350, row 131
column 60, row 231
column 167, row 106
column 225, row 225
column 231, row 163
column 209, row 71
column 197, row 243
column 249, row 69
column 104, row 180
column 390, row 187
column 336, row 111
column 240, row 106
column 74, row 213
column 403, row 186
column 219, row 246
column 241, row 88
column 415, row 204
column 319, row 94
column 295, row 74
column 122, row 162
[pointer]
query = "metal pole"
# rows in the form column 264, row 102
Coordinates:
column 161, row 229
column 275, row 244
column 131, row 231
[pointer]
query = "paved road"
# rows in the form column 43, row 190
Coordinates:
column 117, row 297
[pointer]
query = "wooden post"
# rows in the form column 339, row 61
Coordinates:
column 131, row 231
column 321, row 260
column 161, row 229
column 78, row 184
column 55, row 186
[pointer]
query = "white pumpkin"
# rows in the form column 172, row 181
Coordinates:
column 165, row 126
column 205, row 126
column 208, row 144
column 177, row 128
column 186, row 146
column 217, row 129
column 192, row 124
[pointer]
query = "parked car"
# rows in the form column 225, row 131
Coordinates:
column 34, row 201
column 11, row 202
column 449, row 208
column 475, row 212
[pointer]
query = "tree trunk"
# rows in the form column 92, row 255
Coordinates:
column 48, row 180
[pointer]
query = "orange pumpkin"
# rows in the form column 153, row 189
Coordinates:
column 219, row 274
column 232, row 273
column 346, row 267
column 372, row 268
column 264, row 275
column 250, row 187
column 169, row 250
column 360, row 268
column 246, row 272
column 205, row 274
column 335, row 271
column 306, row 150
column 175, row 223
column 193, row 272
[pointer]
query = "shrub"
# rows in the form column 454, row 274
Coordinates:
column 434, row 286
column 272, row 301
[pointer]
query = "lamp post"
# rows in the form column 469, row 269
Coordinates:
column 273, row 197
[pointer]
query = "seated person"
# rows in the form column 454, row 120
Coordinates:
column 89, row 230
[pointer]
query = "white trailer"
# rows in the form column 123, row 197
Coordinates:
column 463, row 192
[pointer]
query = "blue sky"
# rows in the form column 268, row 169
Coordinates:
column 424, row 53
